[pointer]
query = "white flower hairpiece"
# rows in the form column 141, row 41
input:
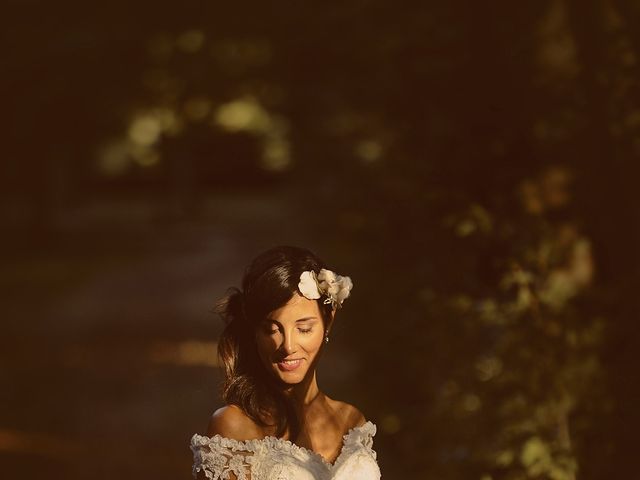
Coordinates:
column 335, row 287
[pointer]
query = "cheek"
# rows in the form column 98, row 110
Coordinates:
column 313, row 341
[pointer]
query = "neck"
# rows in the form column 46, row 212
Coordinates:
column 304, row 393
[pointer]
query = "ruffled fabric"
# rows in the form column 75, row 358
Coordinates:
column 218, row 457
column 272, row 458
column 356, row 439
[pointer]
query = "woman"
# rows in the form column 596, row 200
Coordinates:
column 276, row 423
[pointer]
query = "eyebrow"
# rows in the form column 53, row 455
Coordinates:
column 299, row 320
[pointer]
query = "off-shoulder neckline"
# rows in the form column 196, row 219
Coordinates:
column 345, row 438
column 367, row 426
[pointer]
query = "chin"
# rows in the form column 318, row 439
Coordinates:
column 290, row 381
column 290, row 378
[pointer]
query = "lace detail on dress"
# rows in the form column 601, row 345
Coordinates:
column 355, row 439
column 273, row 458
column 363, row 435
column 216, row 458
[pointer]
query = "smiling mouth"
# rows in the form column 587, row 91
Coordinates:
column 289, row 365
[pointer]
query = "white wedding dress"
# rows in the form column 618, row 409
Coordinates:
column 272, row 458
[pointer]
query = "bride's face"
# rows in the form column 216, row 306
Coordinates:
column 290, row 338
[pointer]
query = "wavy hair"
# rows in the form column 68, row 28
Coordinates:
column 268, row 283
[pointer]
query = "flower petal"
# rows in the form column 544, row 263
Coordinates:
column 326, row 275
column 308, row 285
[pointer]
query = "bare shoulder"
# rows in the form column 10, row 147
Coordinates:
column 230, row 421
column 351, row 416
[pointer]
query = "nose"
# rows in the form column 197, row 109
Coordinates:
column 288, row 342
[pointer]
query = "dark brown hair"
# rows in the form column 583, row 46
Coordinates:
column 269, row 282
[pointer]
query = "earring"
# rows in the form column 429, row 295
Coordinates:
column 326, row 339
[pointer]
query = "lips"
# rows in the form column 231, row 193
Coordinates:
column 289, row 365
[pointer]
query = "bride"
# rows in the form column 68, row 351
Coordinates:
column 277, row 424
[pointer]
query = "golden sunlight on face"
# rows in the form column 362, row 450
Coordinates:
column 290, row 338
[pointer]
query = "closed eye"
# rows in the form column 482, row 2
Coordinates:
column 270, row 331
column 273, row 327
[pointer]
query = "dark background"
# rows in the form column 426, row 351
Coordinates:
column 471, row 165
